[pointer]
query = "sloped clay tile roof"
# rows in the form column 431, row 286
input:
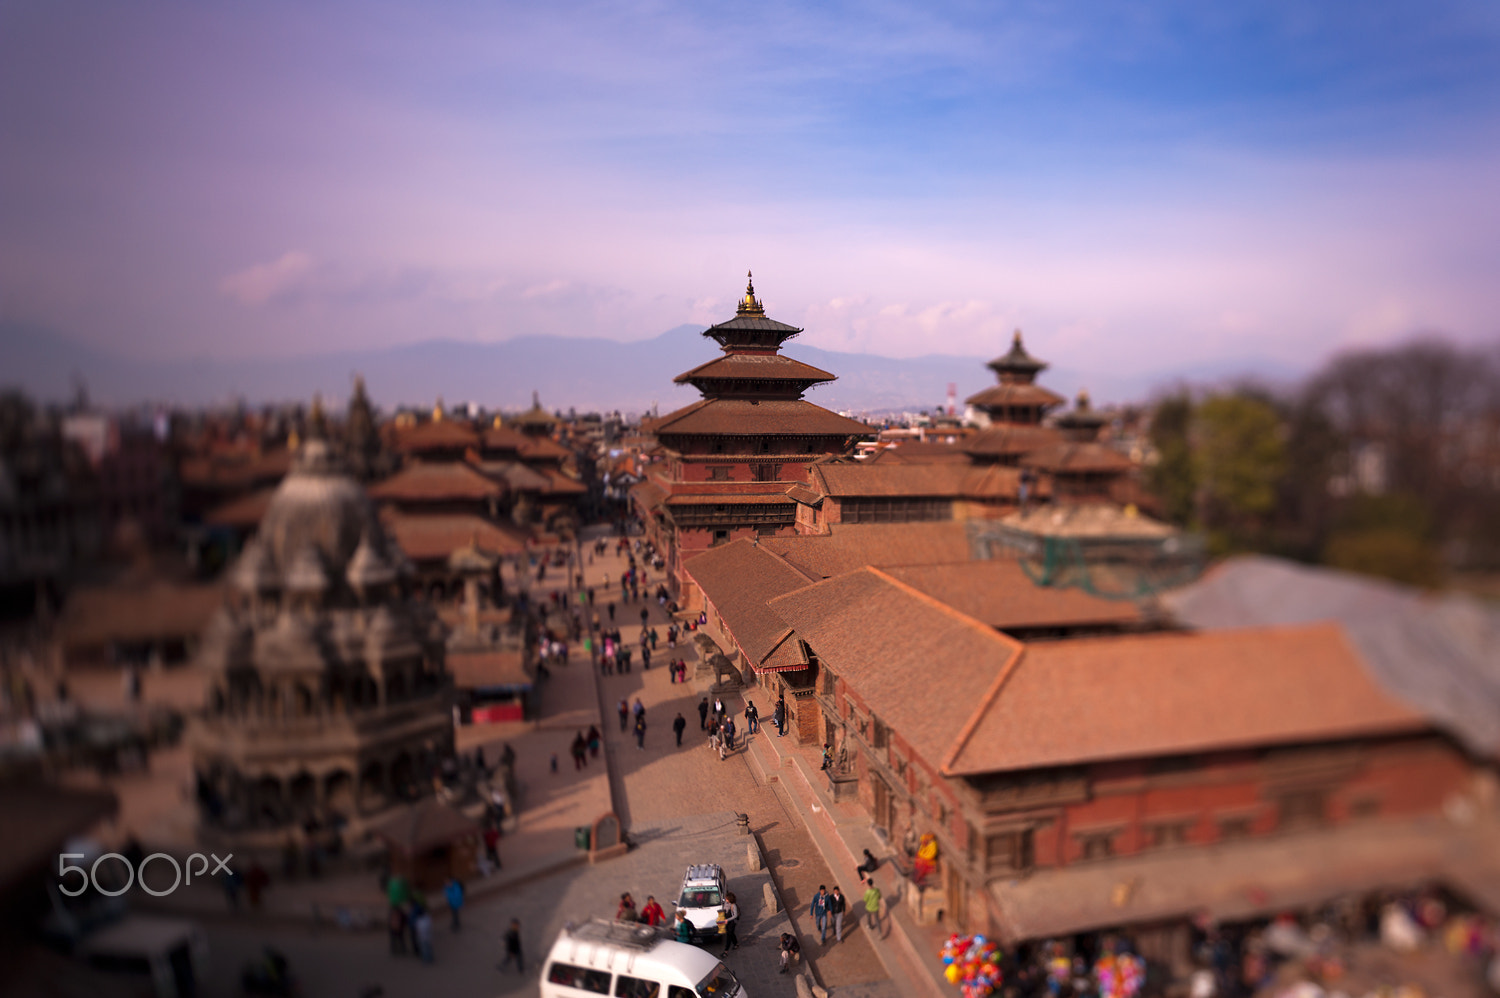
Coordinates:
column 757, row 367
column 435, row 536
column 1001, row 595
column 851, row 546
column 739, row 578
column 947, row 480
column 1132, row 696
column 436, row 434
column 543, row 448
column 1005, row 439
column 1062, row 458
column 518, row 476
column 1014, row 395
column 921, row 666
column 435, row 480
column 97, row 615
column 503, row 438
column 478, row 669
column 648, row 495
column 745, row 417
column 428, row 824
column 562, row 485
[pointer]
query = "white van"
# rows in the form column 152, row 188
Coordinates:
column 630, row 960
column 169, row 956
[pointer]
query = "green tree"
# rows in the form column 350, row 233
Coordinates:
column 1239, row 459
column 1171, row 478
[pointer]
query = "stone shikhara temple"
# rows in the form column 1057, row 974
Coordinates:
column 328, row 695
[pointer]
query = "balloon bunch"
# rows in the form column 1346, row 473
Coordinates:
column 1120, row 975
column 973, row 963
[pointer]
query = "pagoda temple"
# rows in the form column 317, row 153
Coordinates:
column 731, row 458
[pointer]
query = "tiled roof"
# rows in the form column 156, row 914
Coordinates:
column 1142, row 695
column 1005, row 439
column 425, row 825
column 739, row 578
column 242, row 511
column 804, row 495
column 477, row 669
column 756, row 366
column 435, row 480
column 753, row 324
column 1436, row 652
column 518, row 476
column 920, row 666
column 543, row 448
column 744, row 417
column 1078, row 458
column 1001, row 595
column 850, row 546
column 439, row 434
column 648, row 495
column 562, row 485
column 235, row 470
column 946, row 480
column 434, row 536
column 850, row 480
column 503, row 438
column 97, row 615
column 1014, row 395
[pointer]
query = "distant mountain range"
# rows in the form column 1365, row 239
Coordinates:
column 586, row 374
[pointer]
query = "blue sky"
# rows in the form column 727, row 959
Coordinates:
column 1135, row 185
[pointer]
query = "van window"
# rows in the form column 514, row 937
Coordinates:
column 635, row 987
column 719, row 982
column 673, row 991
column 582, row 978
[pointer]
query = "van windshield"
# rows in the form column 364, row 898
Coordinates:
column 719, row 982
column 700, row 897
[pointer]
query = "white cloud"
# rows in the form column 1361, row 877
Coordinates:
column 265, row 282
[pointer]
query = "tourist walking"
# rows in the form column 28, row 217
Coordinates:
column 513, row 946
column 421, row 923
column 679, row 725
column 580, row 751
column 731, row 922
column 819, row 912
column 640, row 731
column 453, row 893
column 752, row 719
column 837, row 903
column 703, row 714
column 624, row 715
column 872, row 904
column 594, row 741
column 780, row 717
column 626, row 911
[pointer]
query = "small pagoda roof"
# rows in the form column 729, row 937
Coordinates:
column 1083, row 416
column 535, row 416
column 436, row 434
column 1077, row 458
column 748, row 418
column 437, row 481
column 750, row 327
column 1017, row 361
column 756, row 367
column 1005, row 439
column 1015, row 395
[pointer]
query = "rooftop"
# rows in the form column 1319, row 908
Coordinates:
column 1143, row 695
column 747, row 417
column 740, row 578
column 850, row 546
column 425, row 481
column 1000, row 594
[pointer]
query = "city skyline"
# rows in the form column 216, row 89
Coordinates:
column 1162, row 185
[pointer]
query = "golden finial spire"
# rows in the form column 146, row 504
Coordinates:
column 748, row 304
column 437, row 410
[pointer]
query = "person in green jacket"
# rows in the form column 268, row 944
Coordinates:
column 684, row 928
column 872, row 904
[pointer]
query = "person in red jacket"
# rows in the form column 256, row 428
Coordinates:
column 652, row 914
